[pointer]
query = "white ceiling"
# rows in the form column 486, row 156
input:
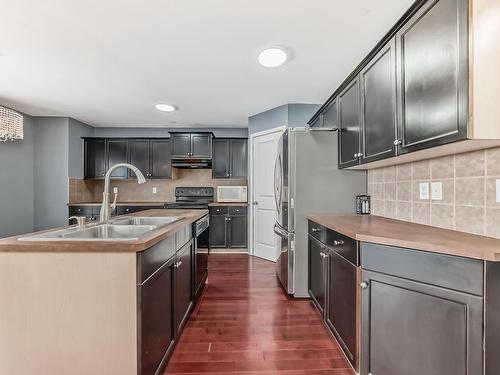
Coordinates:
column 106, row 62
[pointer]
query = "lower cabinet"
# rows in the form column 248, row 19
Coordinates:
column 228, row 227
column 91, row 213
column 122, row 210
column 183, row 285
column 317, row 273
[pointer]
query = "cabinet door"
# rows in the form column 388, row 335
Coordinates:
column 341, row 301
column 238, row 159
column 317, row 273
column 330, row 118
column 157, row 331
column 183, row 285
column 412, row 328
column 95, row 161
column 349, row 125
column 139, row 156
column 433, row 75
column 181, row 146
column 221, row 158
column 237, row 231
column 218, row 231
column 116, row 150
column 161, row 164
column 201, row 146
column 378, row 105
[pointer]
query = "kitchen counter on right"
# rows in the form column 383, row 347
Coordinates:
column 384, row 231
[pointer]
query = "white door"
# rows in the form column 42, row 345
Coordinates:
column 264, row 150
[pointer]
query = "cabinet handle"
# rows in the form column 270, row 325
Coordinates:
column 397, row 142
column 316, row 229
column 338, row 243
column 363, row 285
column 178, row 264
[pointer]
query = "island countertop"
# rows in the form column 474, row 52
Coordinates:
column 384, row 231
column 12, row 244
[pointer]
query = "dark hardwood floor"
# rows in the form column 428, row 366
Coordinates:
column 245, row 324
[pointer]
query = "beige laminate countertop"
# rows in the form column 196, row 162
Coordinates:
column 159, row 204
column 232, row 204
column 12, row 244
column 375, row 229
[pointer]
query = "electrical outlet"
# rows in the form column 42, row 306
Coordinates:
column 155, row 190
column 498, row 191
column 423, row 188
column 115, row 190
column 437, row 191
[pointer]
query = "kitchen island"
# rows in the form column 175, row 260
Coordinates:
column 96, row 306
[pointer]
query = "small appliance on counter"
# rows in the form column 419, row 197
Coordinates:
column 231, row 194
column 363, row 204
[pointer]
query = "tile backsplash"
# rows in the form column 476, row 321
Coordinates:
column 83, row 191
column 468, row 184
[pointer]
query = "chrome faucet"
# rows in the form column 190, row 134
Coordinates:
column 105, row 206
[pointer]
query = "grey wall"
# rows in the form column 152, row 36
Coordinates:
column 16, row 183
column 51, row 160
column 290, row 115
column 76, row 131
column 163, row 132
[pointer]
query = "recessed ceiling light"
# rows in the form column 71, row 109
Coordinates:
column 165, row 107
column 273, row 57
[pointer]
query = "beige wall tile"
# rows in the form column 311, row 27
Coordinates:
column 390, row 191
column 376, row 175
column 493, row 162
column 421, row 213
column 403, row 172
column 390, row 174
column 493, row 222
column 443, row 167
column 469, row 191
column 377, row 191
column 442, row 215
column 403, row 211
column 491, row 192
column 377, row 207
column 404, row 191
column 469, row 219
column 448, row 192
column 421, row 170
column 391, row 209
column 470, row 164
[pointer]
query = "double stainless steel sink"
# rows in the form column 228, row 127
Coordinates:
column 119, row 229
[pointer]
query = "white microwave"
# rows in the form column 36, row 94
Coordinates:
column 228, row 194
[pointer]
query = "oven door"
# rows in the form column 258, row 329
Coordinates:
column 202, row 250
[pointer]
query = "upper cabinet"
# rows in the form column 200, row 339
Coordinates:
column 229, row 158
column 432, row 75
column 378, row 105
column 426, row 90
column 191, row 145
column 349, row 124
column 150, row 156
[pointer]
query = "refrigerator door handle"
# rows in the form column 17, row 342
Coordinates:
column 277, row 184
column 279, row 231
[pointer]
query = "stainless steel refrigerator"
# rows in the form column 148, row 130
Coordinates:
column 307, row 180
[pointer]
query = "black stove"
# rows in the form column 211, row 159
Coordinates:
column 192, row 198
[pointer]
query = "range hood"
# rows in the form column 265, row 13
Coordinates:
column 192, row 163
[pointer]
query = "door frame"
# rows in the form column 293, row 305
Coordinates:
column 251, row 231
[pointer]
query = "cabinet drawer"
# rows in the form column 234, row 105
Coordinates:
column 343, row 245
column 183, row 236
column 317, row 231
column 237, row 210
column 80, row 210
column 150, row 260
column 451, row 272
column 218, row 210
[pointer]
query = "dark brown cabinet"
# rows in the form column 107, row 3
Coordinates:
column 95, row 158
column 349, row 124
column 151, row 156
column 229, row 158
column 317, row 273
column 91, row 213
column 191, row 145
column 116, row 153
column 378, row 106
column 183, row 285
column 228, row 227
column 139, row 151
column 433, row 75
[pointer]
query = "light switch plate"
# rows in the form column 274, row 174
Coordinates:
column 498, row 191
column 423, row 188
column 155, row 190
column 437, row 191
column 115, row 190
